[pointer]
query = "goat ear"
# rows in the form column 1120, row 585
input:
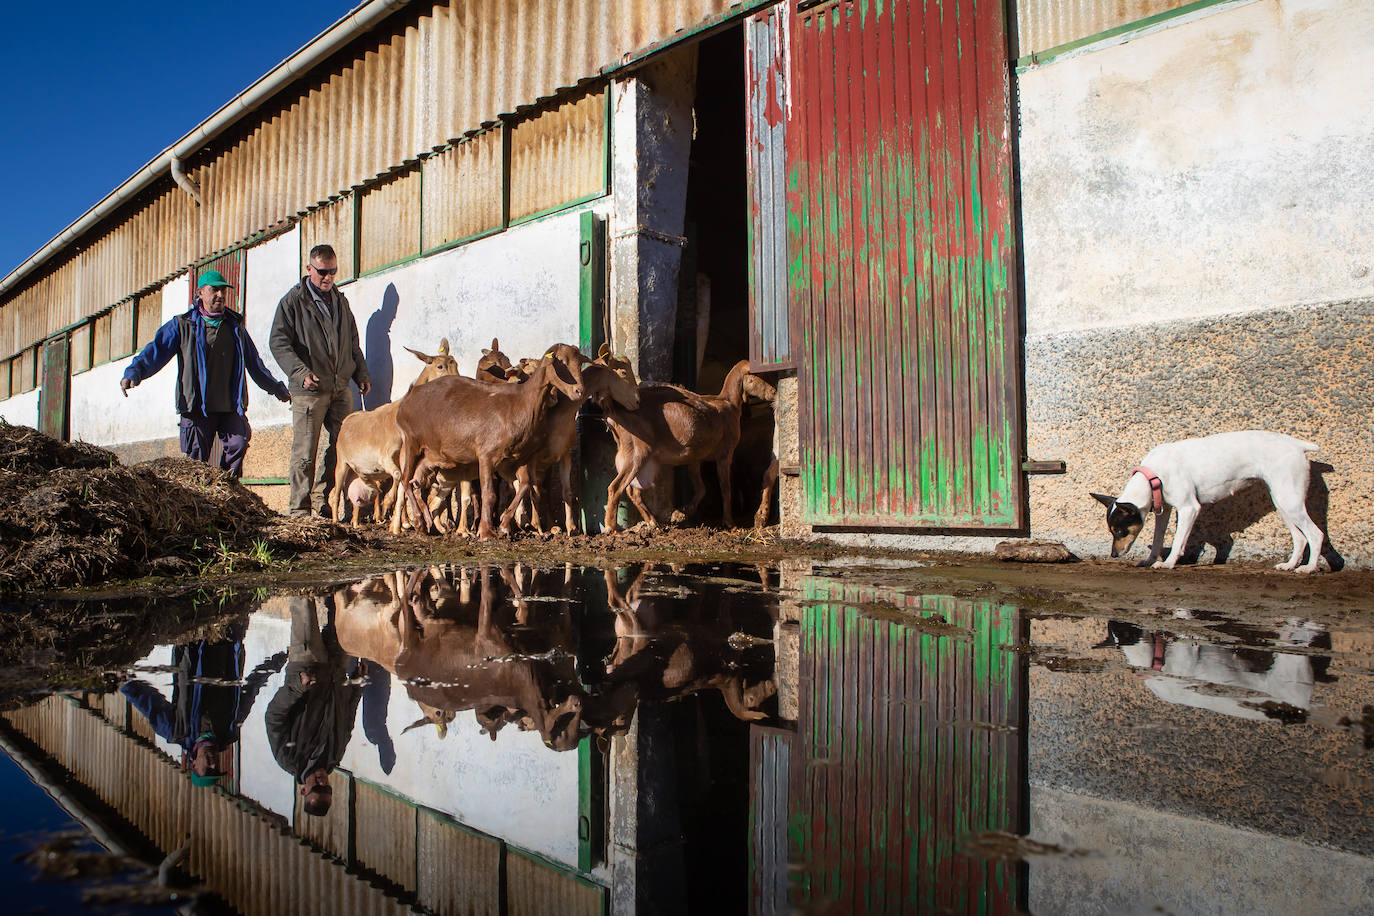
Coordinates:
column 1107, row 501
column 422, row 357
column 604, row 352
column 443, row 346
column 495, row 344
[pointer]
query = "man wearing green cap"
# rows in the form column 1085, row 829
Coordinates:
column 213, row 349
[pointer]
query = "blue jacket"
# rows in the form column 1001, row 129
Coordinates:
column 198, row 708
column 184, row 338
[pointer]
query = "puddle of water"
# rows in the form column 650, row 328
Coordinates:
column 739, row 739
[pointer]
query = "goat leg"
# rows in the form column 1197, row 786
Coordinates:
column 770, row 480
column 420, row 504
column 723, row 472
column 487, row 474
column 522, row 487
column 637, row 497
column 569, row 497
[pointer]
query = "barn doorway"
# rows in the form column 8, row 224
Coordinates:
column 712, row 331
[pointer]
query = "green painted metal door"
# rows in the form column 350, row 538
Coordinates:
column 910, row 734
column 902, row 260
column 54, row 399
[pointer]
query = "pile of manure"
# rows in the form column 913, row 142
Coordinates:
column 72, row 515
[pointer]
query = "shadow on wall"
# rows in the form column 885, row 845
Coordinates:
column 377, row 348
column 1220, row 521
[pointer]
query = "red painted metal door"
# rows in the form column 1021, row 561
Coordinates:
column 902, row 264
column 908, row 748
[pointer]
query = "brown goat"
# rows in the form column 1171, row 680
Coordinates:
column 369, row 443
column 599, row 383
column 677, row 427
column 468, row 428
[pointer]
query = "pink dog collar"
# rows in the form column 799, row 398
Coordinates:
column 1156, row 487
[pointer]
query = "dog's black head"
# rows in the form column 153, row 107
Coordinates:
column 1124, row 521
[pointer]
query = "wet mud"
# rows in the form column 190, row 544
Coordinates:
column 816, row 734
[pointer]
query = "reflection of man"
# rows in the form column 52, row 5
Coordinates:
column 310, row 720
column 315, row 341
column 209, row 702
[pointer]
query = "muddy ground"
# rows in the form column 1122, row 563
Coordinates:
column 99, row 561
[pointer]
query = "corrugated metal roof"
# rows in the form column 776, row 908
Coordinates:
column 431, row 74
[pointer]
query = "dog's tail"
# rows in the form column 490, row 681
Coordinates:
column 1308, row 446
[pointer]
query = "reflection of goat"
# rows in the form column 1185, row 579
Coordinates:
column 427, row 636
column 1174, row 669
column 668, row 655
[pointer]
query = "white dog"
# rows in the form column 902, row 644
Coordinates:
column 1190, row 472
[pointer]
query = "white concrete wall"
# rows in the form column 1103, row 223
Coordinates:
column 513, row 788
column 1221, row 165
column 21, row 409
column 100, row 414
column 271, row 270
column 521, row 285
column 1140, row 860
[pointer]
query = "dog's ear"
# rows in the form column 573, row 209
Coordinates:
column 1107, row 501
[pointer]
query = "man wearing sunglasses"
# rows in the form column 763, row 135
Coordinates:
column 315, row 341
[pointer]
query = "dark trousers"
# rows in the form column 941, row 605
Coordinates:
column 198, row 437
column 313, row 412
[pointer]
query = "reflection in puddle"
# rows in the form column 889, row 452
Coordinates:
column 718, row 738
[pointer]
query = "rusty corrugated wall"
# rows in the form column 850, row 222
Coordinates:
column 462, row 190
column 457, row 870
column 559, row 155
column 1045, row 24
column 385, row 840
column 428, row 76
column 765, row 128
column 147, row 318
column 536, row 889
column 909, row 745
column 243, row 856
column 389, row 222
column 122, row 330
column 81, row 347
column 903, row 265
column 332, row 224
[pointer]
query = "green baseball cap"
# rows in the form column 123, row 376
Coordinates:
column 213, row 278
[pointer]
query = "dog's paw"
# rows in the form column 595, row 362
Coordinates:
column 1160, row 564
column 1285, row 567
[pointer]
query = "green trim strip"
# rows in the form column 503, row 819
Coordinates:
column 1126, row 31
column 557, row 208
column 264, row 481
column 485, row 233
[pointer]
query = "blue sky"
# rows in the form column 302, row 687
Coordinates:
column 90, row 92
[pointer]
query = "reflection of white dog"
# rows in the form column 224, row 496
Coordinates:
column 1174, row 669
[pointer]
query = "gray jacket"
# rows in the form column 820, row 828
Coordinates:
column 303, row 341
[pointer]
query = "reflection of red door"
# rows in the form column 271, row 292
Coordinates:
column 909, row 745
column 232, row 265
column 56, row 382
column 902, row 261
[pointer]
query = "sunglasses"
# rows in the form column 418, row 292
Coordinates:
column 324, row 273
